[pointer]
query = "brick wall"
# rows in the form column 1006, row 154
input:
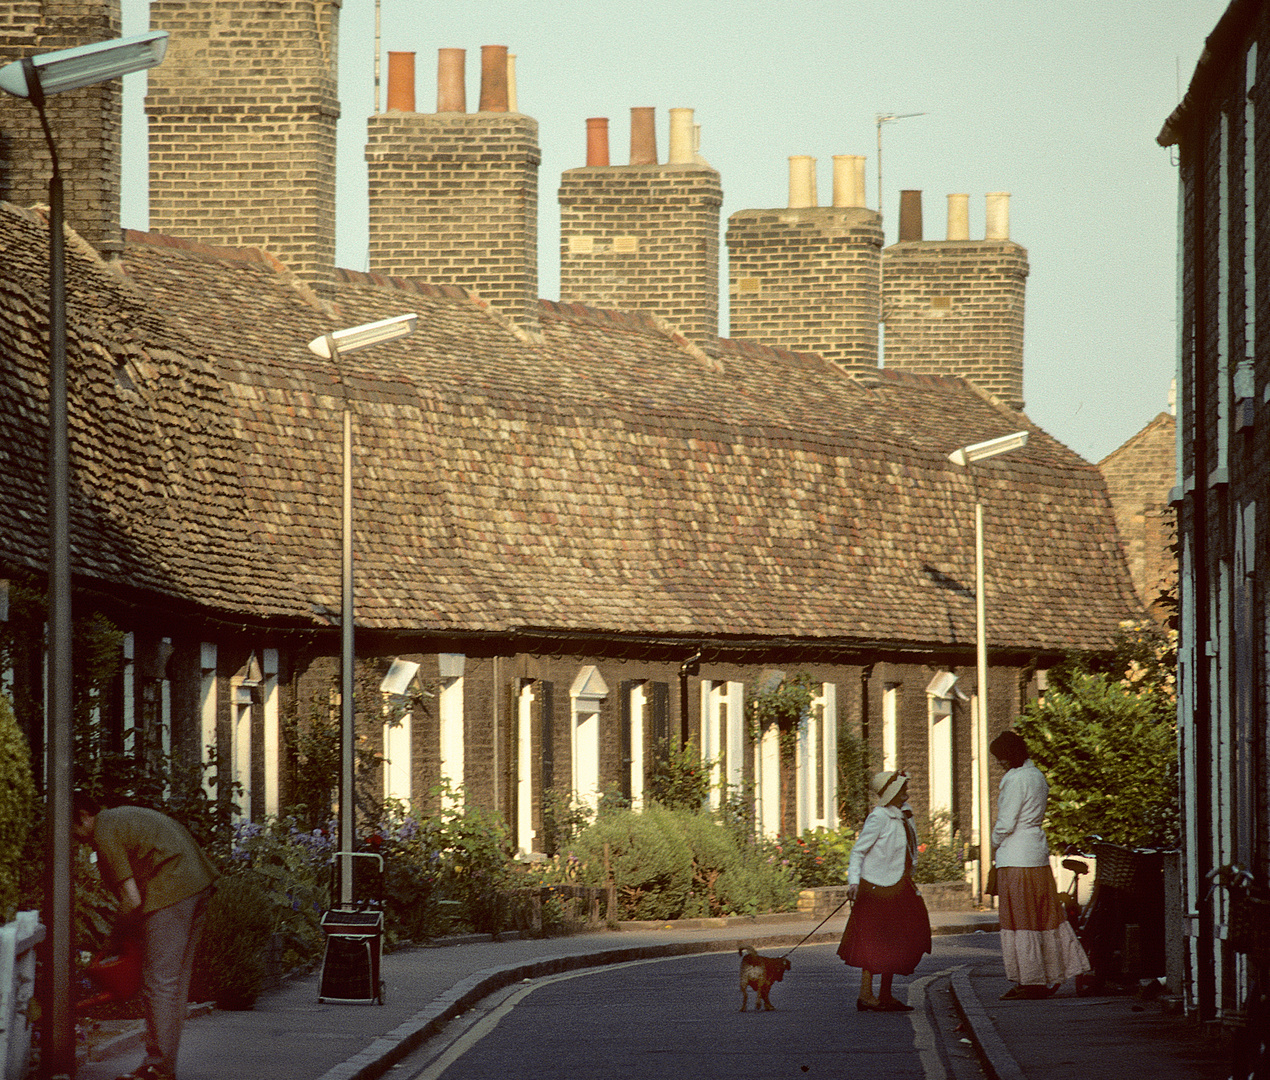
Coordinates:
column 953, row 307
column 807, row 279
column 242, row 127
column 454, row 201
column 644, row 238
column 85, row 122
column 1140, row 475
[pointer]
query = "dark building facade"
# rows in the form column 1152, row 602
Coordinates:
column 1222, row 135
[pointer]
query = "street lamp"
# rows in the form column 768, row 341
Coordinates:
column 967, row 456
column 332, row 347
column 35, row 77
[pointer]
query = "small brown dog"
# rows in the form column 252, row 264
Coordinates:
column 759, row 972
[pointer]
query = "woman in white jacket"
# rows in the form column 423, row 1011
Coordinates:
column 889, row 929
column 1038, row 944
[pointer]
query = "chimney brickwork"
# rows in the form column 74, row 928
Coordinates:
column 242, row 115
column 806, row 279
column 1140, row 475
column 85, row 122
column 454, row 200
column 644, row 238
column 956, row 308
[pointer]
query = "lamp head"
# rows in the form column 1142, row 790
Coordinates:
column 361, row 337
column 69, row 69
column 965, row 455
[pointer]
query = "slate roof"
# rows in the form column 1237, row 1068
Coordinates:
column 598, row 476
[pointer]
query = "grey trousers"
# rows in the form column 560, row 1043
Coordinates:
column 171, row 938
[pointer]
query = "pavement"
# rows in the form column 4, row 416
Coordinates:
column 290, row 1035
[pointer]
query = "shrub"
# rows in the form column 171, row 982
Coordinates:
column 414, row 874
column 230, row 966
column 648, row 857
column 753, row 886
column 17, row 808
column 477, row 857
column 458, row 861
column 855, row 767
column 713, row 851
column 1107, row 742
column 563, row 818
column 942, row 857
column 670, row 864
column 291, row 868
column 679, row 779
column 820, row 858
column 817, row 858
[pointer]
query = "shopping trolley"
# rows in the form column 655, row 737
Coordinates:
column 354, row 935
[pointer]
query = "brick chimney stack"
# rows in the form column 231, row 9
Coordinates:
column 242, row 127
column 645, row 236
column 454, row 195
column 955, row 306
column 806, row 277
column 85, row 122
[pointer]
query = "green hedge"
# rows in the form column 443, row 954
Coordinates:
column 17, row 808
column 672, row 864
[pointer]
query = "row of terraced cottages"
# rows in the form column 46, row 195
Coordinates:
column 593, row 539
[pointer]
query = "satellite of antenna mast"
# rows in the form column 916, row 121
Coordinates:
column 887, row 118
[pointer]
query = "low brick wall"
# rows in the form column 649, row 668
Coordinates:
column 939, row 896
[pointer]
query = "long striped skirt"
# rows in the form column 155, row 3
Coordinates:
column 1037, row 942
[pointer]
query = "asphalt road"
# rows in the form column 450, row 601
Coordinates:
column 680, row 1018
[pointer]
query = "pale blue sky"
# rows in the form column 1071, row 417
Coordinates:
column 1056, row 101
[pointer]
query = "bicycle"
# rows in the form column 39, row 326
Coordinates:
column 1121, row 928
column 1249, row 933
column 1070, row 897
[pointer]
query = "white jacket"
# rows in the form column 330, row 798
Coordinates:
column 877, row 856
column 1017, row 837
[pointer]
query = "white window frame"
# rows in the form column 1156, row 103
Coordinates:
column 585, row 695
column 890, row 725
column 723, row 735
column 525, row 833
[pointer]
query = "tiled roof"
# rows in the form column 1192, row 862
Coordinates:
column 596, row 476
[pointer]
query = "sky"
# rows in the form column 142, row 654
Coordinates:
column 1057, row 102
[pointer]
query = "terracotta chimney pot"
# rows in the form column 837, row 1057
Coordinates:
column 493, row 78
column 401, row 82
column 597, row 140
column 910, row 215
column 451, row 80
column 643, row 135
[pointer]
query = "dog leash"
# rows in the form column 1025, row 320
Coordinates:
column 817, row 926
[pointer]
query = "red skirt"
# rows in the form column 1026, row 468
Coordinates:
column 888, row 932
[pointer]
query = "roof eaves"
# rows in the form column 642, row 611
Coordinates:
column 1232, row 28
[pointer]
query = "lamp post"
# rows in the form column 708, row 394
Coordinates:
column 332, row 347
column 967, row 456
column 35, row 77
